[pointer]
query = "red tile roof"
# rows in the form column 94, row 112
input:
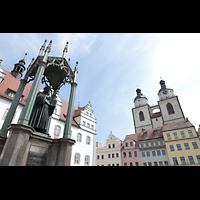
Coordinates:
column 157, row 114
column 11, row 83
column 151, row 134
column 134, row 137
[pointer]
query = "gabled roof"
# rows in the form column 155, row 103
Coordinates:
column 177, row 125
column 11, row 83
column 151, row 134
column 134, row 137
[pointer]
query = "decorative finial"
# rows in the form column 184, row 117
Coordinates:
column 1, row 61
column 137, row 86
column 68, row 61
column 42, row 48
column 160, row 78
column 65, row 50
column 47, row 51
column 24, row 56
column 75, row 71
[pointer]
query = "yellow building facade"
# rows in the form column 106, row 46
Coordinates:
column 182, row 143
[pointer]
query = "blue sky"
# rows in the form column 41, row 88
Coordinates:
column 111, row 65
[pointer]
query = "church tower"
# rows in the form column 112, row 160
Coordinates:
column 169, row 105
column 141, row 113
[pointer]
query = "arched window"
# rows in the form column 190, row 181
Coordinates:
column 57, row 130
column 77, row 158
column 87, row 140
column 87, row 160
column 141, row 114
column 170, row 109
column 113, row 145
column 79, row 137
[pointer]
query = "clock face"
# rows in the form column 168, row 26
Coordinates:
column 165, row 92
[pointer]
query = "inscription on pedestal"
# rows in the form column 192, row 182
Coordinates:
column 36, row 159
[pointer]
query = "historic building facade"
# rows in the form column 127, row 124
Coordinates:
column 110, row 155
column 83, row 128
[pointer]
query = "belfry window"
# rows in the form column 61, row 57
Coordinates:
column 170, row 109
column 141, row 114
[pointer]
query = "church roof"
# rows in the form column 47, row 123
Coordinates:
column 11, row 83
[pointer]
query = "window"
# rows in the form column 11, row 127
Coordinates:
column 160, row 163
column 135, row 153
column 166, row 163
column 90, row 114
column 98, row 157
column 113, row 155
column 149, row 164
column 57, row 130
column 109, row 146
column 143, row 154
column 55, row 111
column 108, row 155
column 147, row 144
column 79, row 137
column 124, row 154
column 126, row 144
column 145, row 134
column 11, row 94
column 170, row 109
column 195, row 146
column 178, row 147
column 198, row 158
column 152, row 144
column 153, row 153
column 102, row 156
column 136, row 164
column 88, row 125
column 131, row 144
column 182, row 134
column 158, row 153
column 186, row 146
column 171, row 147
column 87, row 113
column 183, row 160
column 168, row 136
column 190, row 133
column 87, row 140
column 155, row 132
column 148, row 154
column 131, row 164
column 113, row 145
column 87, row 160
column 5, row 114
column 125, row 164
column 92, row 127
column 163, row 152
column 191, row 159
column 77, row 158
column 155, row 164
column 144, row 164
column 141, row 145
column 175, row 161
column 161, row 143
column 117, row 155
column 156, row 143
column 175, row 135
column 129, row 154
column 141, row 115
column 83, row 123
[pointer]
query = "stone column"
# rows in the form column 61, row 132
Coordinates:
column 68, row 122
column 26, row 112
column 13, row 108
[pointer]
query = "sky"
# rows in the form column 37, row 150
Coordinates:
column 111, row 65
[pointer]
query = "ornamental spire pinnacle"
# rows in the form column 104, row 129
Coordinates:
column 42, row 48
column 65, row 50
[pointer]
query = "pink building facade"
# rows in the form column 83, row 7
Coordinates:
column 130, row 151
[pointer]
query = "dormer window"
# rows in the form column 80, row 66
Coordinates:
column 145, row 134
column 155, row 132
column 11, row 94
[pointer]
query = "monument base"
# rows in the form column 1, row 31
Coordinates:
column 25, row 148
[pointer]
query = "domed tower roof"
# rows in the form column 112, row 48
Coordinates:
column 139, row 94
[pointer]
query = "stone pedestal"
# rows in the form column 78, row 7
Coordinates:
column 25, row 148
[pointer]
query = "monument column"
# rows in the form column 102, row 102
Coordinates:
column 26, row 113
column 68, row 122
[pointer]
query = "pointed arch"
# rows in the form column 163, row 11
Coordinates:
column 170, row 109
column 141, row 115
